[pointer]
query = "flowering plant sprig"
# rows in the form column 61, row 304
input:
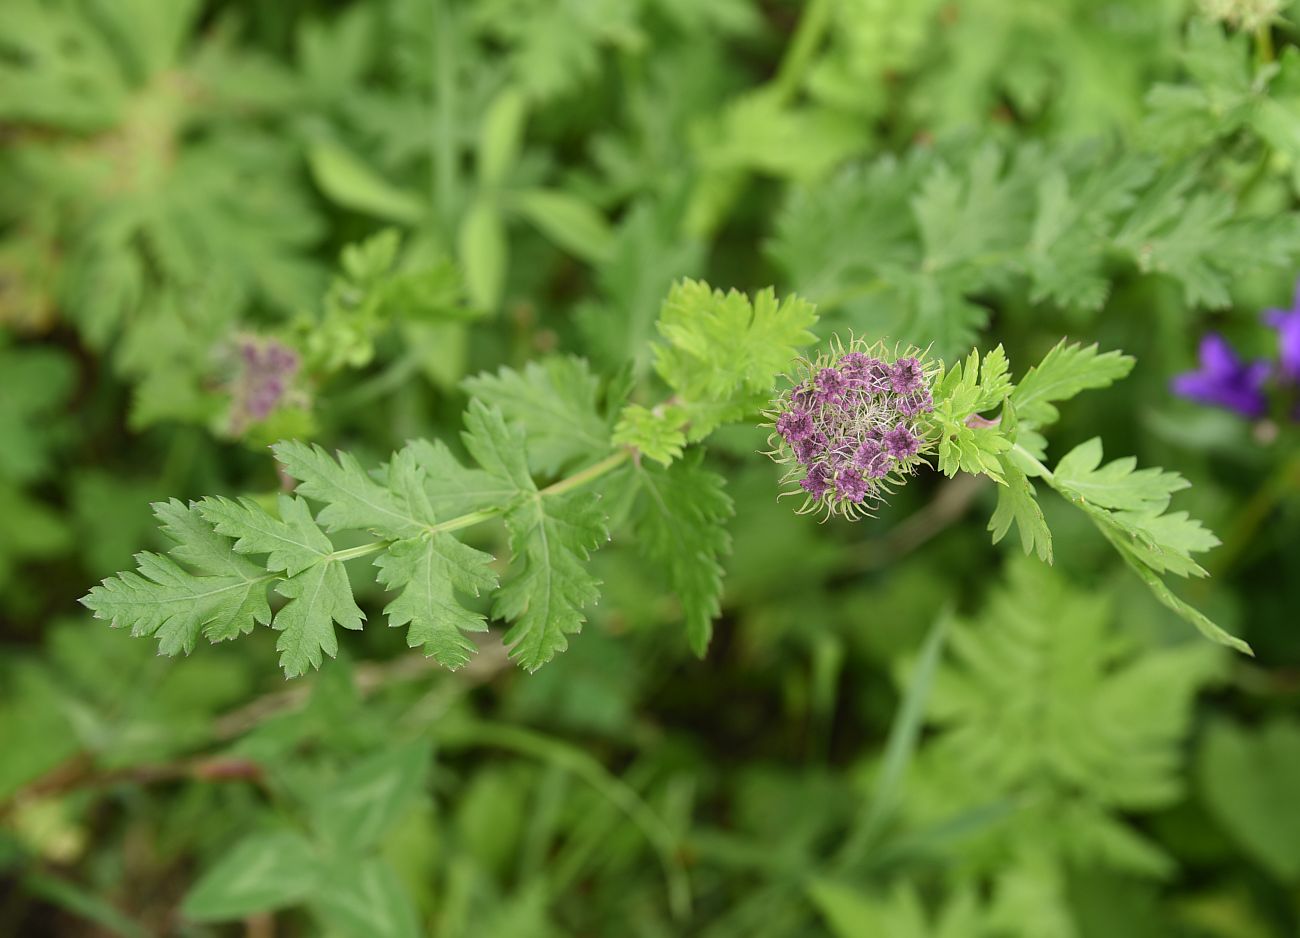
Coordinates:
column 545, row 443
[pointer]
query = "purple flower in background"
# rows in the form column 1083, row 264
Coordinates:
column 1224, row 380
column 852, row 423
column 267, row 369
column 1287, row 324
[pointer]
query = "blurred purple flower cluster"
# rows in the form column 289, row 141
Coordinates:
column 849, row 427
column 1227, row 380
column 266, row 371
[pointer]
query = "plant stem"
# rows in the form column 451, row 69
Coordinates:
column 444, row 142
column 353, row 552
column 613, row 461
column 1264, row 44
column 798, row 56
column 1256, row 512
column 578, row 479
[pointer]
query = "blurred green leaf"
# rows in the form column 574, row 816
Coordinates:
column 1248, row 779
column 346, row 179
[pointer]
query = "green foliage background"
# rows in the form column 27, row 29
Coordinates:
column 896, row 728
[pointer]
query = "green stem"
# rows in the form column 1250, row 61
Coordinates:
column 578, row 479
column 444, row 142
column 364, row 550
column 613, row 461
column 1264, row 44
column 615, row 790
column 1255, row 512
column 808, row 35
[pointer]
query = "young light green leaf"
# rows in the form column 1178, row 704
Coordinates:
column 1116, row 485
column 1018, row 503
column 1189, row 613
column 1128, row 507
column 318, row 597
column 680, row 517
column 551, row 538
column 656, row 434
column 1164, row 542
column 725, row 349
column 995, row 380
column 555, row 403
column 428, row 570
column 165, row 600
column 292, row 542
column 1065, row 371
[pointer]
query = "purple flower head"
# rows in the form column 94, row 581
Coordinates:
column 795, row 425
column 851, row 431
column 1224, row 380
column 907, row 376
column 902, row 443
column 1287, row 324
column 850, row 486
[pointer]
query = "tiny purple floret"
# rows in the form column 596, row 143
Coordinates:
column 901, row 443
column 817, row 481
column 918, row 402
column 850, row 486
column 866, row 454
column 830, row 385
column 906, row 376
column 795, row 425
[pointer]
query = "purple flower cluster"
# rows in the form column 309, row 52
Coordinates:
column 266, row 371
column 1226, row 380
column 849, row 426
